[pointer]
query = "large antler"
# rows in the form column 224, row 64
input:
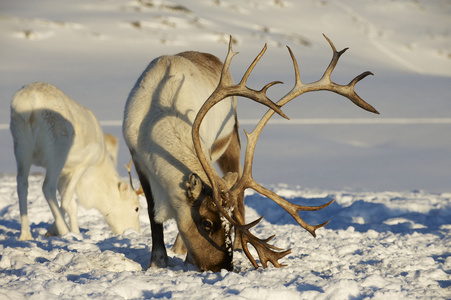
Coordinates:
column 265, row 251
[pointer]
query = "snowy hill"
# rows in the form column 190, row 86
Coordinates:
column 389, row 235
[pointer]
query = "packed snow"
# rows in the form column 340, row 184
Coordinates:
column 390, row 230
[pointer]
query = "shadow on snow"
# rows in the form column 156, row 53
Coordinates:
column 361, row 215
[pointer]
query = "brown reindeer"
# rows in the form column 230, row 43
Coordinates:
column 174, row 143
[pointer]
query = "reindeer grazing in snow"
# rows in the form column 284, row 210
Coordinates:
column 157, row 128
column 53, row 131
column 174, row 143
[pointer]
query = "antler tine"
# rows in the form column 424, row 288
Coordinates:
column 346, row 90
column 335, row 57
column 294, row 209
column 241, row 88
column 129, row 167
column 265, row 251
column 246, row 75
column 225, row 67
column 325, row 83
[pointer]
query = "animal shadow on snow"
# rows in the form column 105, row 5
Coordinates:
column 10, row 230
column 362, row 215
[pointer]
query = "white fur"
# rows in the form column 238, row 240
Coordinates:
column 53, row 131
column 157, row 128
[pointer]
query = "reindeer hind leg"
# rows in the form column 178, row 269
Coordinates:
column 23, row 154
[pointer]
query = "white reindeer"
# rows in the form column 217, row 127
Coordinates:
column 53, row 131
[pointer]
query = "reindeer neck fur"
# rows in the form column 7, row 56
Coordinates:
column 98, row 187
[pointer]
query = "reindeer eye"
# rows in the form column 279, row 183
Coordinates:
column 207, row 224
column 136, row 209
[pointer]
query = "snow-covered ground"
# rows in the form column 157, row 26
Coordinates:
column 386, row 245
column 389, row 235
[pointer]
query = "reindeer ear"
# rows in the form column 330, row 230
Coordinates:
column 122, row 186
column 230, row 179
column 193, row 187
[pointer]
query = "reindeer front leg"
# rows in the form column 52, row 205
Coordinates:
column 159, row 256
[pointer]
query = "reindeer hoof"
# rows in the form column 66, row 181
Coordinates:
column 25, row 236
column 53, row 231
column 158, row 264
column 49, row 234
column 158, row 260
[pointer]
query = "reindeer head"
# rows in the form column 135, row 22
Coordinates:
column 124, row 214
column 209, row 243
